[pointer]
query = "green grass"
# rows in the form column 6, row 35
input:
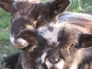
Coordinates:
column 5, row 45
column 84, row 6
column 4, row 19
column 45, row 0
column 78, row 6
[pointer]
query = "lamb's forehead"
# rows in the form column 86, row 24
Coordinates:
column 53, row 28
column 26, row 10
column 52, row 32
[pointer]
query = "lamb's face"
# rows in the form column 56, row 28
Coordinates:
column 56, row 41
column 61, row 44
column 27, row 16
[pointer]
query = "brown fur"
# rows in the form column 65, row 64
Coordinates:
column 31, row 14
column 69, row 46
column 71, row 40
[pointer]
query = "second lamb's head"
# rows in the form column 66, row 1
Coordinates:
column 57, row 44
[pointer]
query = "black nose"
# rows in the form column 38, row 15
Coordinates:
column 53, row 56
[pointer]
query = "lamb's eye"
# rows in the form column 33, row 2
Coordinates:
column 74, row 46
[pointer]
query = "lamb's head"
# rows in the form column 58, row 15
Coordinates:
column 31, row 14
column 57, row 44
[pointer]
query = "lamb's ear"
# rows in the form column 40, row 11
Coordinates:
column 29, row 36
column 85, row 40
column 58, row 6
column 6, row 5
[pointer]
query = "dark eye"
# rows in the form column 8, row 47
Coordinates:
column 74, row 46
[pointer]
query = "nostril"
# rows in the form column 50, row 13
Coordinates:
column 54, row 55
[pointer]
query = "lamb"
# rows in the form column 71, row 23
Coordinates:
column 65, row 46
column 30, row 15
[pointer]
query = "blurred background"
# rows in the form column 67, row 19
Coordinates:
column 6, row 48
